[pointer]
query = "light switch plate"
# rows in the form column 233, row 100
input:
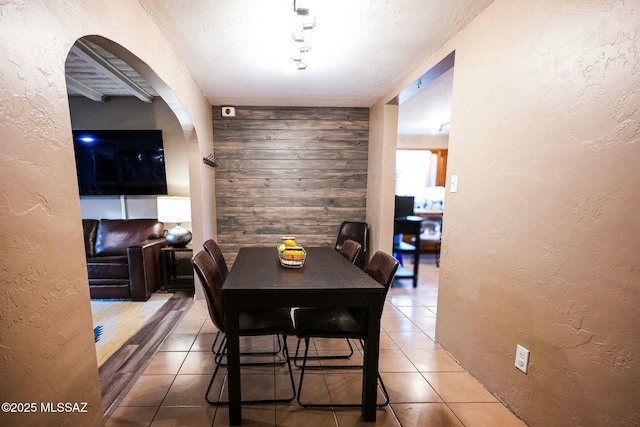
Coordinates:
column 454, row 184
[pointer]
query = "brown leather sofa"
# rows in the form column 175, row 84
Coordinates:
column 123, row 257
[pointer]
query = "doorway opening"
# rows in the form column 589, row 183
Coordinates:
column 424, row 121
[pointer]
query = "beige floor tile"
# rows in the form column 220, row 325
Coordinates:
column 171, row 416
column 426, row 414
column 426, row 324
column 178, row 342
column 252, row 416
column 166, row 362
column 314, row 388
column 198, row 363
column 149, row 390
column 197, row 311
column 254, row 387
column 132, row 416
column 433, row 360
column 409, row 387
column 353, row 418
column 327, row 344
column 189, row 326
column 395, row 361
column 396, row 324
column 414, row 312
column 386, row 343
column 188, row 390
column 284, row 389
column 486, row 415
column 408, row 340
column 355, row 360
column 402, row 301
column 458, row 387
column 295, row 416
column 427, row 300
column 208, row 327
column 391, row 311
column 204, row 341
column 346, row 388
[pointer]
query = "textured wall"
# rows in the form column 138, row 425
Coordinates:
column 541, row 240
column 289, row 171
column 46, row 341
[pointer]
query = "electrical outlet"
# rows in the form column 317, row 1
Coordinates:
column 522, row 358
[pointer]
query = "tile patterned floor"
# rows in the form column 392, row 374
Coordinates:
column 426, row 386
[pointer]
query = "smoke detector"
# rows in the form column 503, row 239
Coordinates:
column 228, row 112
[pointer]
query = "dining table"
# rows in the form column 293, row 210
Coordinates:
column 327, row 279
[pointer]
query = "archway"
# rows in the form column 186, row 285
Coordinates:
column 119, row 91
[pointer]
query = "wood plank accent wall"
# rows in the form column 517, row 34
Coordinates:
column 288, row 171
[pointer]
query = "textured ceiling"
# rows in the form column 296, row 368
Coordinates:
column 239, row 51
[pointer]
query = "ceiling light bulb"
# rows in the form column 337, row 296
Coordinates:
column 309, row 24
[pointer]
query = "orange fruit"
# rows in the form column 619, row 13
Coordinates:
column 289, row 243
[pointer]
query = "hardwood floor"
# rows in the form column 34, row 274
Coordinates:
column 119, row 373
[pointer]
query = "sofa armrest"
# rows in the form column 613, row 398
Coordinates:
column 145, row 273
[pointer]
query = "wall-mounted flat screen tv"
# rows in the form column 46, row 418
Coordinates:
column 120, row 162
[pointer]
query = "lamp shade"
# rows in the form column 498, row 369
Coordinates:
column 174, row 209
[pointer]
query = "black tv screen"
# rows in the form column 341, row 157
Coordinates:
column 120, row 162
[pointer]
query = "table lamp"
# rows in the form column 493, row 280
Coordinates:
column 173, row 209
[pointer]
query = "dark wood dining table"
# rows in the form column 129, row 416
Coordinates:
column 327, row 279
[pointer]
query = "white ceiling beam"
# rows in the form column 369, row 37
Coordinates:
column 84, row 51
column 84, row 90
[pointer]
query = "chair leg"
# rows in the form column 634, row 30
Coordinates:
column 335, row 405
column 223, row 349
column 340, row 356
column 213, row 346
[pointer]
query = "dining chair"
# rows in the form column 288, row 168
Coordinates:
column 343, row 322
column 358, row 231
column 350, row 250
column 258, row 322
column 212, row 248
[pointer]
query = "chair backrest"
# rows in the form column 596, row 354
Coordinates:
column 350, row 250
column 214, row 251
column 209, row 273
column 382, row 267
column 358, row 231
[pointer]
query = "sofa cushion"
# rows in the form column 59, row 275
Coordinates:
column 108, row 267
column 89, row 228
column 114, row 236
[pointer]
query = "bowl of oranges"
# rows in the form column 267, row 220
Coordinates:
column 291, row 254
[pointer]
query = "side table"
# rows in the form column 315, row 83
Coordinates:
column 410, row 225
column 172, row 280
